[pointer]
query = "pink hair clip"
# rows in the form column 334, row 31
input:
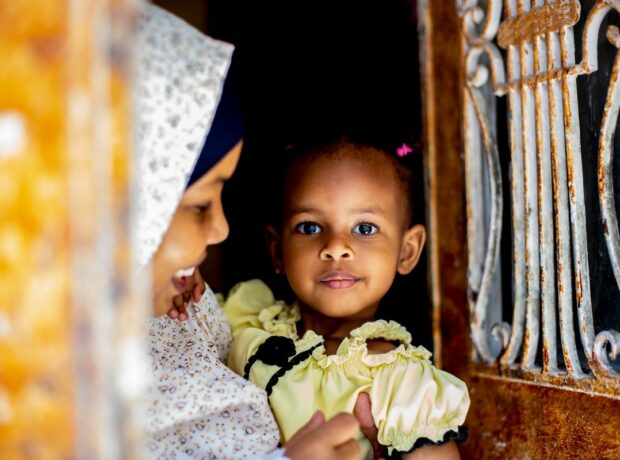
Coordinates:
column 403, row 150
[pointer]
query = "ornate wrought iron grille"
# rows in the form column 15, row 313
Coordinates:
column 551, row 289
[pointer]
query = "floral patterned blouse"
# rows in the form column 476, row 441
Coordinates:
column 197, row 407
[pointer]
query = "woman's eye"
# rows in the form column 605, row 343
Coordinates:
column 201, row 209
column 308, row 228
column 365, row 229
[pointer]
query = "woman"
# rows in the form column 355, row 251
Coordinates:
column 198, row 408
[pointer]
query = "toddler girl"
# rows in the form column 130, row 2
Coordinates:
column 344, row 234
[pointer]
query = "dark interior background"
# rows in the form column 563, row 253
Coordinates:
column 304, row 69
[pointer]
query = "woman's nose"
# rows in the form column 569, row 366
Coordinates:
column 218, row 230
column 335, row 249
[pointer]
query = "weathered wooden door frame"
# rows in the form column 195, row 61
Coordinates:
column 509, row 417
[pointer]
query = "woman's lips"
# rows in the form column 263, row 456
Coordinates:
column 338, row 280
column 180, row 283
column 181, row 279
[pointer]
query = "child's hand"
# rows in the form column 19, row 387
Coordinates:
column 194, row 291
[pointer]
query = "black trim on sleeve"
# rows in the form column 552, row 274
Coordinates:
column 289, row 365
column 275, row 351
column 448, row 436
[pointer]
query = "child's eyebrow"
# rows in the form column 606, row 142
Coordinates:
column 304, row 210
column 371, row 210
column 309, row 210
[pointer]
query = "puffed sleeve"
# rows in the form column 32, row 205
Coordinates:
column 414, row 404
column 243, row 307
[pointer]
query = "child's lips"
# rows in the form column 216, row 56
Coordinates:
column 338, row 280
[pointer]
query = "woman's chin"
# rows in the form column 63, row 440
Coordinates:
column 164, row 298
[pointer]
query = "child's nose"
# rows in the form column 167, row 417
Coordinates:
column 336, row 249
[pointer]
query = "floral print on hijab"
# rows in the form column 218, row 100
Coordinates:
column 196, row 406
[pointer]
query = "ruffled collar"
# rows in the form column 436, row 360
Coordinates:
column 280, row 319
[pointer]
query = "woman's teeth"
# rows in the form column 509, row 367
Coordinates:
column 187, row 272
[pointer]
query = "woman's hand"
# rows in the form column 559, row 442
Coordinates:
column 334, row 439
column 193, row 291
column 363, row 413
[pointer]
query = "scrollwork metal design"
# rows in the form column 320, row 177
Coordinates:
column 546, row 154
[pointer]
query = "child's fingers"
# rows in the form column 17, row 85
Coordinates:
column 178, row 310
column 200, row 287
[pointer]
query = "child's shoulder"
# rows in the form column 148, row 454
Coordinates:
column 252, row 304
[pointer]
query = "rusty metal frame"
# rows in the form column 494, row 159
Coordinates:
column 550, row 259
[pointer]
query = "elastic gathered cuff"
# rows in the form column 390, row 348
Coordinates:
column 451, row 435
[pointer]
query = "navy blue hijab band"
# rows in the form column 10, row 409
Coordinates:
column 227, row 129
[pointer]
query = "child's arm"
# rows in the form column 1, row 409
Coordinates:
column 413, row 400
column 447, row 451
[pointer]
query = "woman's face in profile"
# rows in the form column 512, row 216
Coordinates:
column 198, row 222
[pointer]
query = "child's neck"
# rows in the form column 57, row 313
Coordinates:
column 333, row 328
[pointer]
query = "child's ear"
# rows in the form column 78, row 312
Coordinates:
column 275, row 249
column 412, row 245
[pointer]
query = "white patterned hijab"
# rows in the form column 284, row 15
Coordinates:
column 180, row 75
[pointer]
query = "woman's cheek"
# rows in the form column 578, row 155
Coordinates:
column 183, row 251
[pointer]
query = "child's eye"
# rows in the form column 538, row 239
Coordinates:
column 365, row 229
column 308, row 228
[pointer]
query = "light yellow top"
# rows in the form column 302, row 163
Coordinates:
column 410, row 398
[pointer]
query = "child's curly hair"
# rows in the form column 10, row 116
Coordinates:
column 299, row 153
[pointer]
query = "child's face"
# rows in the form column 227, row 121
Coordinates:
column 344, row 235
column 198, row 222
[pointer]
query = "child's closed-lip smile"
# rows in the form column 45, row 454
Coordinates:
column 339, row 280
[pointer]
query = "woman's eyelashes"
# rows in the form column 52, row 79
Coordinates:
column 312, row 228
column 201, row 209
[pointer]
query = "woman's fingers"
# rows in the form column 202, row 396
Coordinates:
column 329, row 440
column 339, row 429
column 363, row 413
column 315, row 421
column 348, row 450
